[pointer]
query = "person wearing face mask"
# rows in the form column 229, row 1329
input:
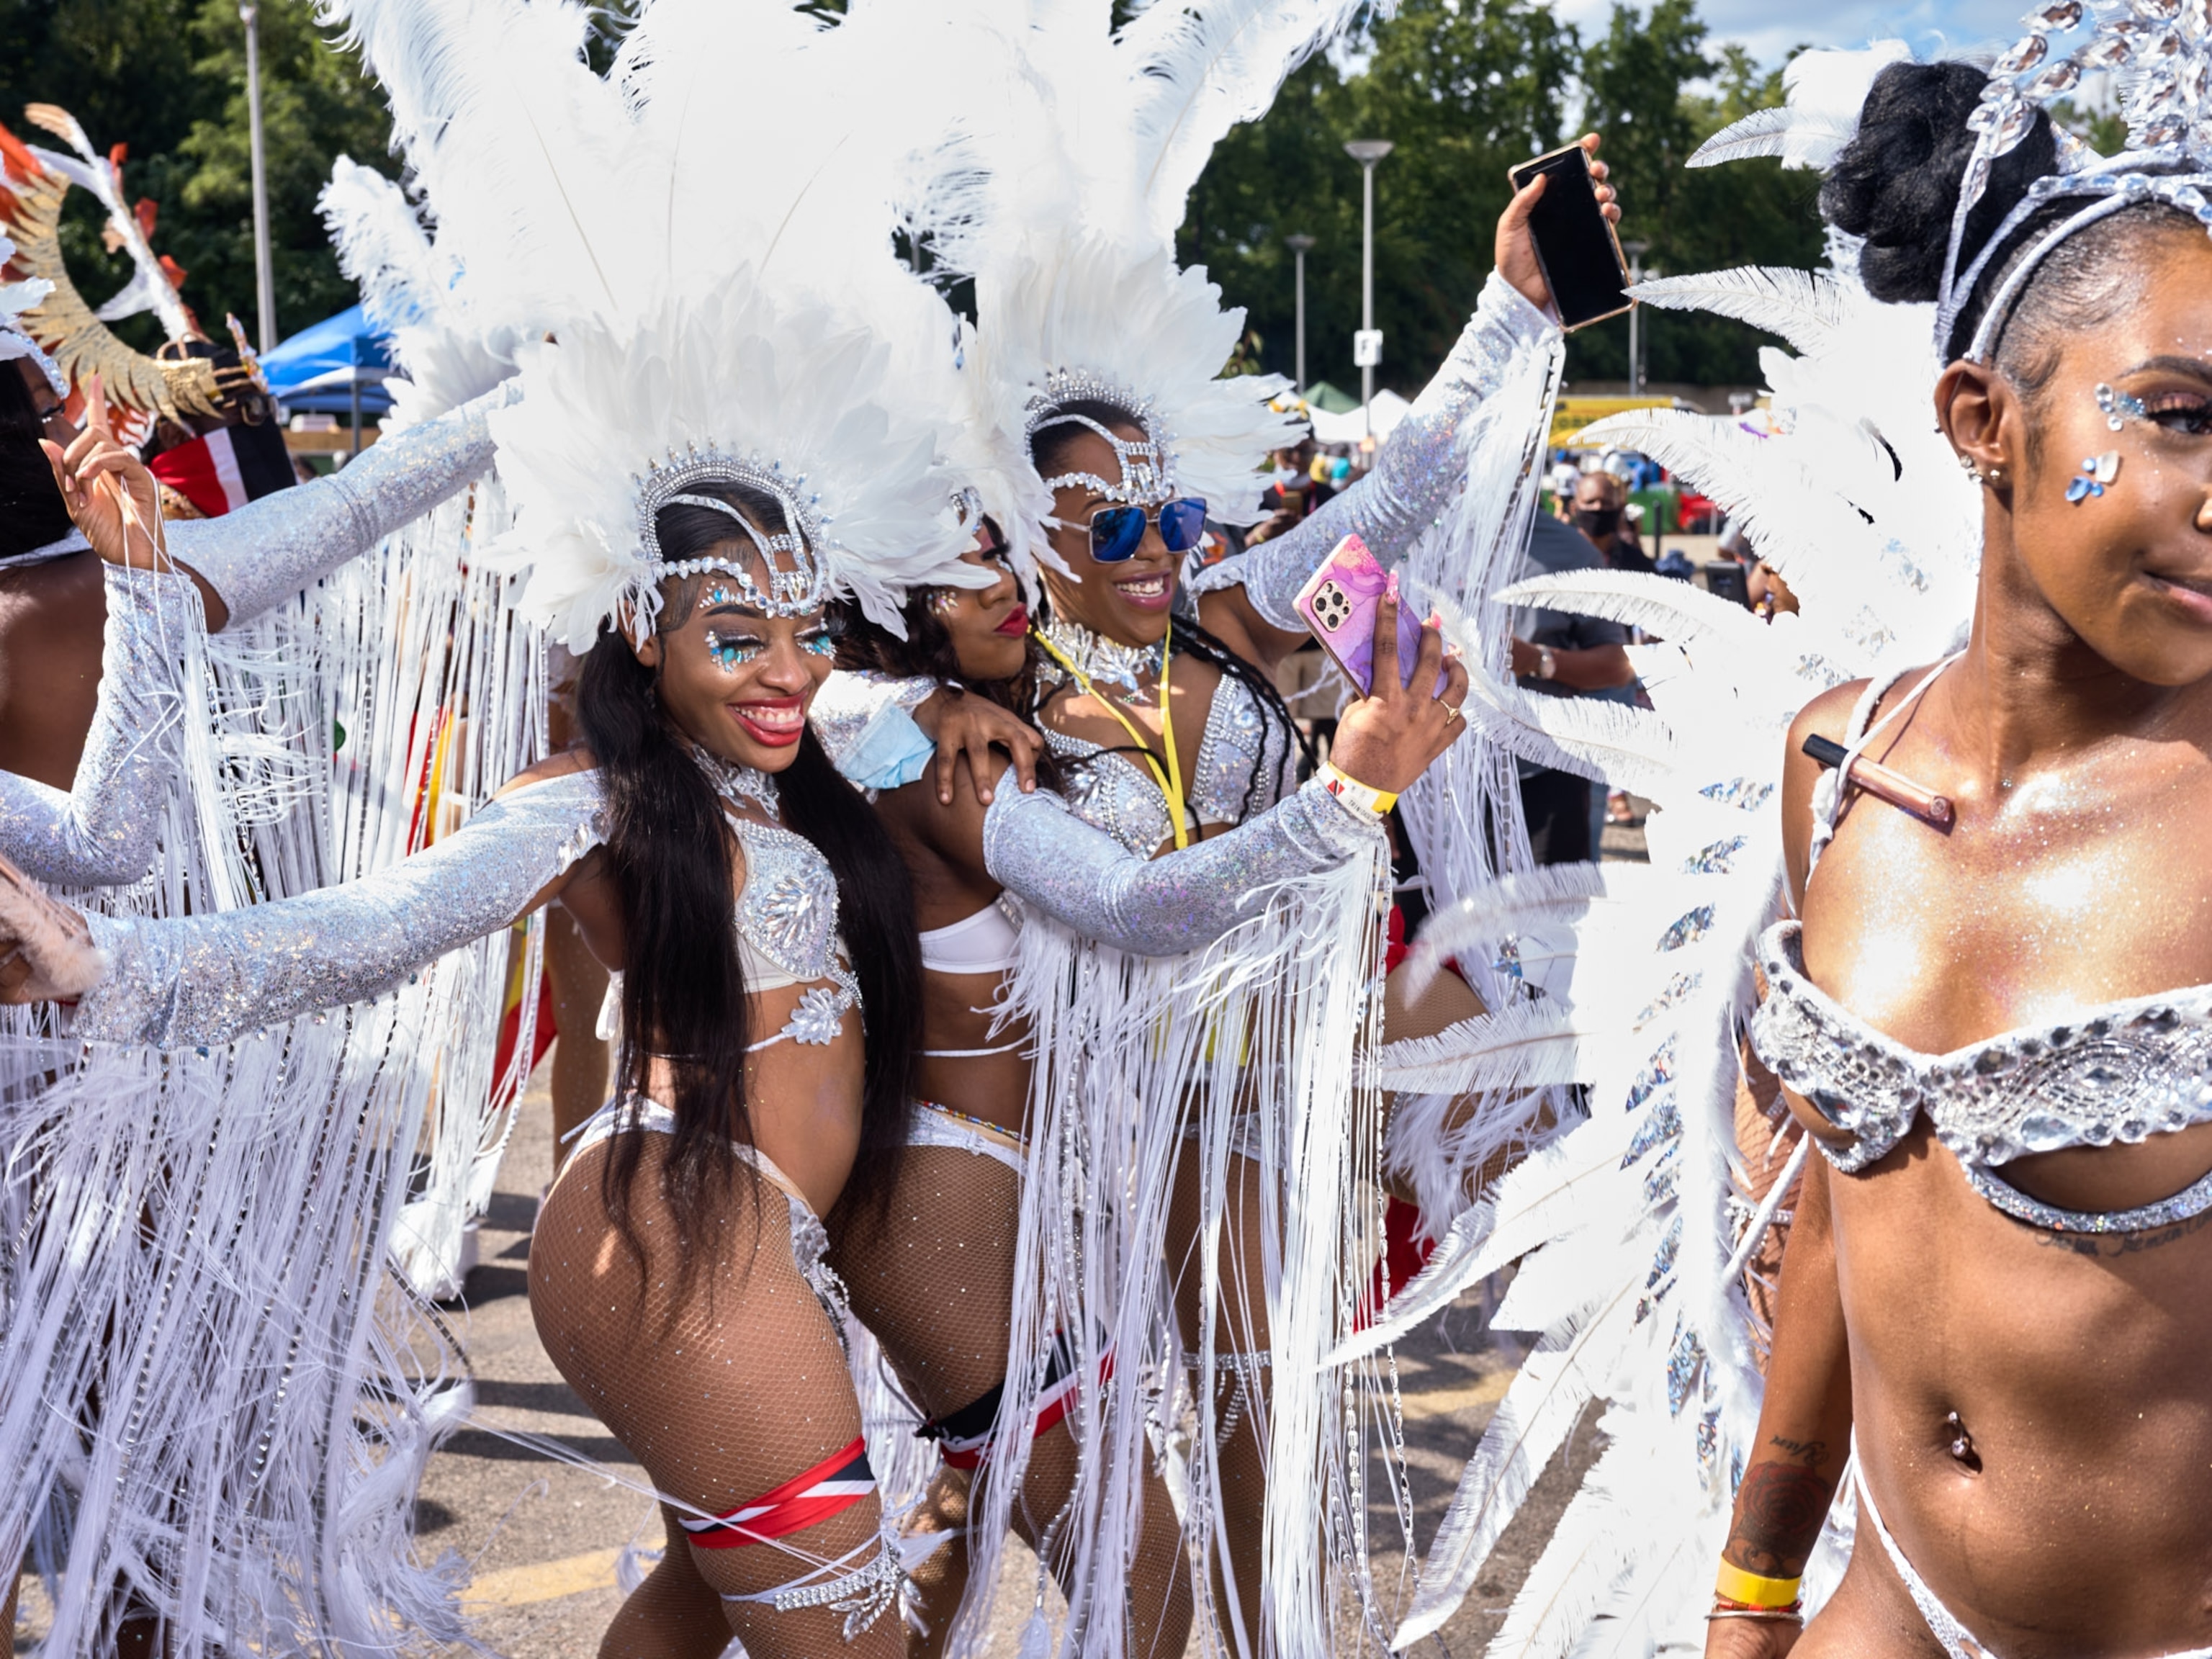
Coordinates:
column 1601, row 512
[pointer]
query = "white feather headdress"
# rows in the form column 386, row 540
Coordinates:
column 681, row 277
column 1083, row 154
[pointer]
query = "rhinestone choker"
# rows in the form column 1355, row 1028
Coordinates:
column 1099, row 658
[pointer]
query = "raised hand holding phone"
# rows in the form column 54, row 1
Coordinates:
column 1560, row 225
column 1387, row 738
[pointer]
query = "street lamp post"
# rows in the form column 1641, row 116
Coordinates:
column 1635, row 251
column 1367, row 350
column 265, row 280
column 1300, row 245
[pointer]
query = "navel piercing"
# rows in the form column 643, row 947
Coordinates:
column 2097, row 471
column 2119, row 407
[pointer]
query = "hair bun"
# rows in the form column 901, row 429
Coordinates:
column 1896, row 184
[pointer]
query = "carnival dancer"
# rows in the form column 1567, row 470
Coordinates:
column 79, row 1330
column 1105, row 352
column 1999, row 615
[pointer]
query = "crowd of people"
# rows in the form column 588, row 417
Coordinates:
column 980, row 1011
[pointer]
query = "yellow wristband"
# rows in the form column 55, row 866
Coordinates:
column 1753, row 1591
column 1348, row 788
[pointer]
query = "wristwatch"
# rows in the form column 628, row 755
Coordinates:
column 1547, row 663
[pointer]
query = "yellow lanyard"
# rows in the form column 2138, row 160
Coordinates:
column 1170, row 779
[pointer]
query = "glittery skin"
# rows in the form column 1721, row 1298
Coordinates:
column 178, row 982
column 102, row 832
column 269, row 550
column 1078, row 874
column 1415, row 474
column 2123, row 1072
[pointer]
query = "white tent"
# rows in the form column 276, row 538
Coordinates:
column 1351, row 428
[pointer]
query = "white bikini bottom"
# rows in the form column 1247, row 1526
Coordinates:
column 940, row 1126
column 1958, row 1641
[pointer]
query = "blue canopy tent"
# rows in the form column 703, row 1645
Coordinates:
column 339, row 364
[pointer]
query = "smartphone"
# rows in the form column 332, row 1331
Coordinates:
column 1575, row 241
column 1725, row 578
column 1339, row 602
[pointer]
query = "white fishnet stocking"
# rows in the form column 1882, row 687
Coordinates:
column 935, row 1284
column 723, row 1390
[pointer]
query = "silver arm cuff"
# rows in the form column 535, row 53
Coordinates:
column 260, row 556
column 175, row 982
column 851, row 700
column 1036, row 847
column 105, row 831
column 1415, row 475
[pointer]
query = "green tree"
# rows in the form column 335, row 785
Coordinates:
column 167, row 77
column 1465, row 88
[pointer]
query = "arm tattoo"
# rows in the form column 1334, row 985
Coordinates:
column 1779, row 1511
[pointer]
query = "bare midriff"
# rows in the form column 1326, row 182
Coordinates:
column 2033, row 1410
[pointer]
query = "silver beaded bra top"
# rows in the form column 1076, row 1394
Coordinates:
column 2119, row 1073
column 786, row 911
column 1116, row 792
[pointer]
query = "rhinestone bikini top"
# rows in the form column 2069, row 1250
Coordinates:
column 1121, row 797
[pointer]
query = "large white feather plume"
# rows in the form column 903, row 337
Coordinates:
column 799, row 387
column 1199, row 70
column 1825, row 90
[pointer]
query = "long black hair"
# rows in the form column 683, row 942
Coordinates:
column 1048, row 447
column 684, row 991
column 31, row 510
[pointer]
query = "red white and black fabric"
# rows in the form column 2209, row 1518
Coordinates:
column 963, row 1437
column 830, row 1487
column 222, row 471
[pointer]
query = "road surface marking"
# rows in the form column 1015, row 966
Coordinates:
column 546, row 1581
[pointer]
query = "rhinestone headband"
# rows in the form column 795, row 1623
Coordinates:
column 797, row 581
column 2162, row 49
column 1147, row 467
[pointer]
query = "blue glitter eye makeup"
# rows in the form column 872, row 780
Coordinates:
column 731, row 651
column 820, row 643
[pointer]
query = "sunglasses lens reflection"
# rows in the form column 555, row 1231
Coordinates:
column 1183, row 524
column 1115, row 532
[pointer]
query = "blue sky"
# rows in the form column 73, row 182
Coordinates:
column 1770, row 27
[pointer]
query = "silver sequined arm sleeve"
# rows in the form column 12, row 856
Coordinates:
column 1040, row 851
column 268, row 549
column 1415, row 474
column 176, row 983
column 851, row 701
column 103, row 832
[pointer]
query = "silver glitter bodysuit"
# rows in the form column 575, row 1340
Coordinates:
column 183, row 982
column 2118, row 1073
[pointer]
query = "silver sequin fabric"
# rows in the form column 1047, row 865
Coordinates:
column 104, row 832
column 200, row 979
column 268, row 549
column 2118, row 1073
column 850, row 700
column 1111, row 791
column 1084, row 877
column 1419, row 470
